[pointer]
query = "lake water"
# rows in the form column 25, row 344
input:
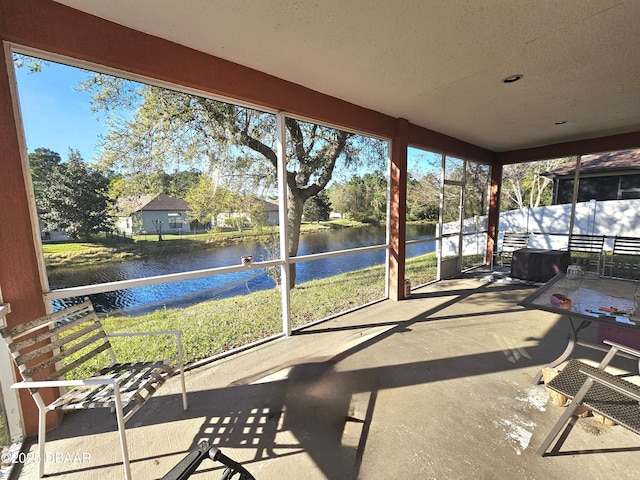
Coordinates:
column 188, row 292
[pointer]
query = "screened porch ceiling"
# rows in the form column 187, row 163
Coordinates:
column 438, row 64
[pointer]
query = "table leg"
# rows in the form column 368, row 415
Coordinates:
column 571, row 345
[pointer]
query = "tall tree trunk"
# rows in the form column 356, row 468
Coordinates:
column 158, row 225
column 296, row 205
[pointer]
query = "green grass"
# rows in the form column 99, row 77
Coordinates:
column 422, row 269
column 70, row 248
column 214, row 327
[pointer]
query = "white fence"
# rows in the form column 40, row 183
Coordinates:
column 550, row 225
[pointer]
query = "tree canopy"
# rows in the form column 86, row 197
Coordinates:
column 155, row 130
column 525, row 185
column 317, row 208
column 75, row 199
column 423, row 197
column 42, row 161
column 362, row 198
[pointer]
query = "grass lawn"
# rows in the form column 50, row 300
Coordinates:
column 214, row 327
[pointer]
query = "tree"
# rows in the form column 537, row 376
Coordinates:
column 205, row 201
column 362, row 198
column 338, row 196
column 157, row 224
column 476, row 198
column 32, row 64
column 376, row 194
column 176, row 184
column 257, row 212
column 134, row 184
column 41, row 163
column 75, row 200
column 165, row 128
column 525, row 185
column 317, row 208
column 423, row 197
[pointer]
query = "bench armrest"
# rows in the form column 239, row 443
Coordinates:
column 65, row 383
column 158, row 332
column 623, row 348
column 618, row 385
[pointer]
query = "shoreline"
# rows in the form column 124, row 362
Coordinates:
column 109, row 250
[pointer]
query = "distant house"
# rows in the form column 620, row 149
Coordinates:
column 609, row 176
column 139, row 215
column 270, row 208
column 52, row 235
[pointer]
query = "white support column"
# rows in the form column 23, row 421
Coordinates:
column 10, row 401
column 461, row 216
column 576, row 187
column 439, row 233
column 284, row 221
column 387, row 257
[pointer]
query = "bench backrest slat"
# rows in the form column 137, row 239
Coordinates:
column 49, row 347
column 66, row 315
column 29, row 373
column 79, row 361
column 514, row 241
column 45, row 342
column 626, row 246
column 586, row 243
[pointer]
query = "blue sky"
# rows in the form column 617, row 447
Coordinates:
column 54, row 115
column 57, row 117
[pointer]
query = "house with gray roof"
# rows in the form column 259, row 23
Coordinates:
column 608, row 176
column 147, row 213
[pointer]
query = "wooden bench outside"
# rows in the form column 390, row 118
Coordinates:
column 68, row 339
column 592, row 387
column 512, row 241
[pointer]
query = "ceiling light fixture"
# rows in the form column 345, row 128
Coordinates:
column 513, row 78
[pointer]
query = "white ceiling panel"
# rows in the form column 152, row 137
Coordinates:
column 439, row 64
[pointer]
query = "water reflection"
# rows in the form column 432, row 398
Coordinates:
column 189, row 292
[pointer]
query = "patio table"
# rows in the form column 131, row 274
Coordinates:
column 606, row 302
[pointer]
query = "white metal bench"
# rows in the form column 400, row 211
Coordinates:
column 512, row 241
column 50, row 348
column 608, row 395
column 625, row 258
column 587, row 251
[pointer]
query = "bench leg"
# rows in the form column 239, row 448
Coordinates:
column 123, row 438
column 568, row 413
column 184, row 389
column 42, row 437
column 181, row 366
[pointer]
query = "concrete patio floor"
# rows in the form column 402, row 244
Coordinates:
column 439, row 386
